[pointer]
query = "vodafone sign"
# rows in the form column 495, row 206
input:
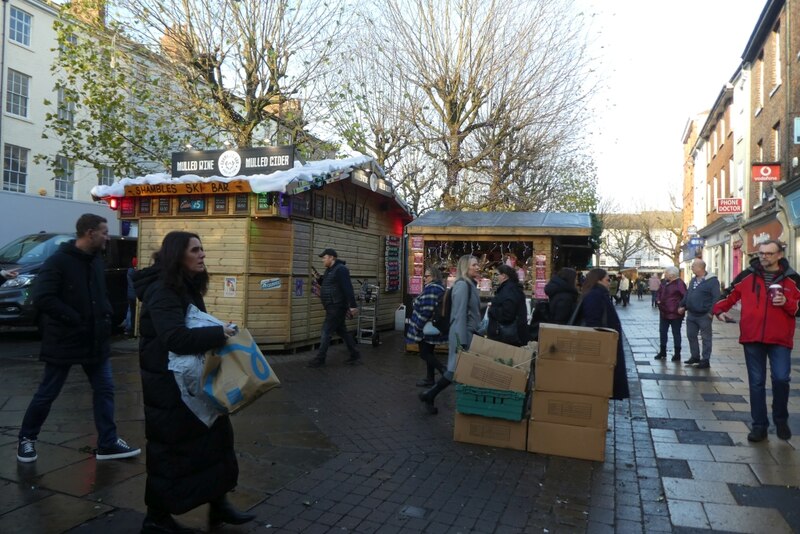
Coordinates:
column 729, row 205
column 766, row 172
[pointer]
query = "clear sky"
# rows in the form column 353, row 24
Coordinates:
column 662, row 63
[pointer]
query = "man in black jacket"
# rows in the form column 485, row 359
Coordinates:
column 339, row 301
column 70, row 294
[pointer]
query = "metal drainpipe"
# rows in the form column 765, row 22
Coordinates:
column 3, row 78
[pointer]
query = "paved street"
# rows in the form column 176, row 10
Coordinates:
column 351, row 449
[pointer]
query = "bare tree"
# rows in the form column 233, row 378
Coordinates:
column 663, row 232
column 490, row 67
column 621, row 238
column 201, row 70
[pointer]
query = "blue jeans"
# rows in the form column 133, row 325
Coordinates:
column 663, row 327
column 756, row 354
column 699, row 324
column 334, row 323
column 99, row 376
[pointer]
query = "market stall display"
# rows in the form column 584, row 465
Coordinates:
column 264, row 217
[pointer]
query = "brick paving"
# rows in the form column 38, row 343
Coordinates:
column 350, row 449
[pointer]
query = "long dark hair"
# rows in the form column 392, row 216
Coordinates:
column 170, row 258
column 594, row 276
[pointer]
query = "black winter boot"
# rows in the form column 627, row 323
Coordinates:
column 677, row 356
column 427, row 397
column 222, row 511
column 161, row 522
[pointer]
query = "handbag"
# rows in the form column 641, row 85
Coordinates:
column 506, row 333
column 430, row 330
column 237, row 374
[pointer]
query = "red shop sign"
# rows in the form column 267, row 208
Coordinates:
column 766, row 172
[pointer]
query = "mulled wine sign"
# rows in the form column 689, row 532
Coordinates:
column 233, row 162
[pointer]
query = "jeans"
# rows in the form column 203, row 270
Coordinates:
column 653, row 297
column 756, row 354
column 427, row 355
column 699, row 324
column 334, row 324
column 99, row 376
column 663, row 326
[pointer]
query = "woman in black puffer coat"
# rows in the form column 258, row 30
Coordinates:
column 508, row 314
column 563, row 296
column 188, row 463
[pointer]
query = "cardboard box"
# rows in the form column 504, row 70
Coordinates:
column 519, row 357
column 574, row 377
column 570, row 409
column 481, row 371
column 578, row 343
column 491, row 432
column 566, row 440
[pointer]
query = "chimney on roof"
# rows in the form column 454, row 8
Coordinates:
column 89, row 11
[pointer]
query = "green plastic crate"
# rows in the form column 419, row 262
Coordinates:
column 490, row 402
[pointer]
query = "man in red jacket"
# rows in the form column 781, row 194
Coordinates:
column 767, row 330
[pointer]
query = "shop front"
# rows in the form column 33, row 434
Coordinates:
column 718, row 247
column 263, row 220
column 535, row 244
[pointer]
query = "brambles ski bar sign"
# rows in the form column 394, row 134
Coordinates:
column 229, row 163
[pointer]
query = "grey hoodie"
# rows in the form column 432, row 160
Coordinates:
column 701, row 297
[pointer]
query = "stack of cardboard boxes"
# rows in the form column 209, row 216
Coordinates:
column 573, row 380
column 494, row 381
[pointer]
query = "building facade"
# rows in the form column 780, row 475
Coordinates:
column 750, row 144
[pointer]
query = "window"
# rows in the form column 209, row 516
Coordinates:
column 723, row 183
column 66, row 110
column 637, row 262
column 15, row 168
column 17, row 93
column 19, row 27
column 776, row 142
column 105, row 176
column 65, row 178
column 603, row 261
column 776, row 43
column 761, row 84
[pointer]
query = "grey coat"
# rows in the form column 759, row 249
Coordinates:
column 465, row 319
column 701, row 297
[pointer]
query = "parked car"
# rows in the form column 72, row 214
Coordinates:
column 28, row 253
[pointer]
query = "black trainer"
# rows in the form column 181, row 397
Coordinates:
column 316, row 362
column 354, row 359
column 117, row 451
column 26, row 450
column 783, row 430
column 692, row 361
column 757, row 434
column 660, row 356
column 703, row 364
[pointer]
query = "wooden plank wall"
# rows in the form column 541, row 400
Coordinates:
column 270, row 259
column 265, row 248
column 362, row 248
column 225, row 243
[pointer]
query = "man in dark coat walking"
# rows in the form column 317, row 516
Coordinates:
column 70, row 294
column 339, row 301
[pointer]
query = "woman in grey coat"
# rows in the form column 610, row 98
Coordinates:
column 465, row 318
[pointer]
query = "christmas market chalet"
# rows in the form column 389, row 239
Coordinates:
column 263, row 218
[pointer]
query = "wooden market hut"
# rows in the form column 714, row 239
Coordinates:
column 535, row 243
column 262, row 230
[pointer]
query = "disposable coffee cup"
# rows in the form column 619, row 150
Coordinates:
column 774, row 291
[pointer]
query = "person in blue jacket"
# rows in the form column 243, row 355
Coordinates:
column 425, row 305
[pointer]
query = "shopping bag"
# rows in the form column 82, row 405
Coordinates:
column 238, row 373
column 188, row 371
